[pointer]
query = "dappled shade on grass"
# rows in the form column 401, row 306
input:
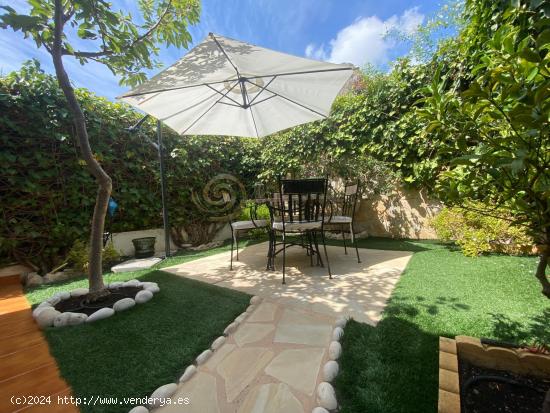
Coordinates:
column 393, row 367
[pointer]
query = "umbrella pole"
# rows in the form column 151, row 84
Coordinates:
column 163, row 191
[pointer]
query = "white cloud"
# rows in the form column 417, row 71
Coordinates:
column 364, row 41
column 318, row 53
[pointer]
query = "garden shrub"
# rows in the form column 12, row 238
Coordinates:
column 476, row 232
column 80, row 252
column 262, row 211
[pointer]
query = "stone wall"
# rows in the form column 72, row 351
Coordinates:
column 403, row 214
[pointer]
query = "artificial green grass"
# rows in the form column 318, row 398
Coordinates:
column 132, row 353
column 390, row 368
column 393, row 367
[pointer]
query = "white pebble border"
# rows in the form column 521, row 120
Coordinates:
column 46, row 315
column 169, row 389
column 326, row 396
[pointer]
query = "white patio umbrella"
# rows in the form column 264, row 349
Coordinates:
column 228, row 87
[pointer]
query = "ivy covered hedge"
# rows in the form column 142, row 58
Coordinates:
column 47, row 193
column 373, row 134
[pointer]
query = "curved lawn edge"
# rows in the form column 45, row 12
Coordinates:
column 132, row 354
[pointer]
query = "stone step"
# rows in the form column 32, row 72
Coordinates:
column 136, row 264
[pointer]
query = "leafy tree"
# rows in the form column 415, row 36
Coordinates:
column 495, row 110
column 116, row 40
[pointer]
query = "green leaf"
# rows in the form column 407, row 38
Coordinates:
column 532, row 74
column 543, row 38
column 530, row 55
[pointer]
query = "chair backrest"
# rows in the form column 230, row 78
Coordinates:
column 302, row 200
column 351, row 192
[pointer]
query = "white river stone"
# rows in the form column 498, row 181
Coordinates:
column 139, row 409
column 43, row 306
column 143, row 296
column 326, row 396
column 337, row 333
column 54, row 300
column 46, row 317
column 330, row 370
column 79, row 292
column 124, row 304
column 217, row 343
column 150, row 286
column 163, row 392
column 334, row 350
column 100, row 314
column 341, row 322
column 189, row 371
column 63, row 295
column 255, row 300
column 241, row 318
column 205, row 355
column 69, row 319
column 230, row 328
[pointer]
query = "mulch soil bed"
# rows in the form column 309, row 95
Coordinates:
column 493, row 396
column 78, row 304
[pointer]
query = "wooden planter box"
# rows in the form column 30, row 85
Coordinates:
column 470, row 349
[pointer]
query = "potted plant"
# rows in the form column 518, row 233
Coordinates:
column 145, row 247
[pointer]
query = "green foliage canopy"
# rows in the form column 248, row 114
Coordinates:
column 495, row 111
column 111, row 37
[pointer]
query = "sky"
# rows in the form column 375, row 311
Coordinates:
column 339, row 31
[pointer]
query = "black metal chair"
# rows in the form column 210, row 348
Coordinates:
column 242, row 226
column 299, row 209
column 346, row 216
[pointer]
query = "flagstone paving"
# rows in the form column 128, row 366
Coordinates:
column 264, row 366
column 274, row 360
column 358, row 290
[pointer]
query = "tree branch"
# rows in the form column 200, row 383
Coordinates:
column 90, row 55
column 104, row 53
column 67, row 16
column 153, row 27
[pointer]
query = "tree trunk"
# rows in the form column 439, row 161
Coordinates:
column 542, row 265
column 95, row 270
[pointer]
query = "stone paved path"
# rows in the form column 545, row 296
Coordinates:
column 26, row 366
column 271, row 363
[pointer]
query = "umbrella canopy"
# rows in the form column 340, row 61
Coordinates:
column 227, row 87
